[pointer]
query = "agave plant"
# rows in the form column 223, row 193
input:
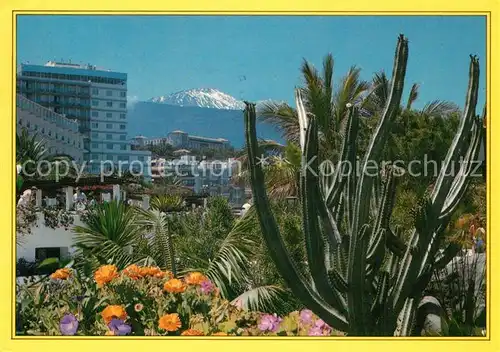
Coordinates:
column 167, row 203
column 364, row 280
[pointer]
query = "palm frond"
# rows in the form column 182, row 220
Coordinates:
column 263, row 298
column 160, row 247
column 283, row 117
column 229, row 266
column 413, row 95
column 440, row 108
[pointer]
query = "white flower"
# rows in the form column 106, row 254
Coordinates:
column 19, row 168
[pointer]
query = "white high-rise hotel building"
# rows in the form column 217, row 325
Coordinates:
column 97, row 99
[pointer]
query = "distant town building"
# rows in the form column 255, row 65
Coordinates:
column 181, row 139
column 97, row 99
column 210, row 177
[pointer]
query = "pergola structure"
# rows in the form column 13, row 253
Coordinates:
column 69, row 185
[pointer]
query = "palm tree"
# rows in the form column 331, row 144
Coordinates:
column 321, row 100
column 110, row 234
column 35, row 160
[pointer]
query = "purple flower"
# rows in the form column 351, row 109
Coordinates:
column 119, row 327
column 306, row 316
column 269, row 322
column 319, row 323
column 206, row 286
column 315, row 331
column 68, row 325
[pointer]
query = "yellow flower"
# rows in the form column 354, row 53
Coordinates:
column 195, row 278
column 170, row 322
column 105, row 274
column 61, row 274
column 192, row 332
column 174, row 286
column 111, row 312
column 110, row 333
column 220, row 333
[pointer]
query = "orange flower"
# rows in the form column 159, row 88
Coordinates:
column 133, row 271
column 174, row 286
column 170, row 322
column 61, row 274
column 111, row 312
column 195, row 278
column 192, row 332
column 220, row 333
column 105, row 274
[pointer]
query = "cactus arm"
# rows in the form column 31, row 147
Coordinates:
column 395, row 244
column 410, row 265
column 277, row 249
column 460, row 182
column 303, row 120
column 386, row 203
column 405, row 319
column 358, row 314
column 380, row 136
column 485, row 144
column 339, row 178
column 444, row 179
column 311, row 209
column 448, row 254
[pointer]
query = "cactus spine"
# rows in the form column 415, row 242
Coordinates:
column 364, row 279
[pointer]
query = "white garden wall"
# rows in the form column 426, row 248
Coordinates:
column 45, row 237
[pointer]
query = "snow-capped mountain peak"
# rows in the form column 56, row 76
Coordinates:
column 201, row 97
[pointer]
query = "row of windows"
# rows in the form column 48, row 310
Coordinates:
column 109, row 115
column 53, row 87
column 61, row 100
column 109, row 136
column 109, row 104
column 109, row 157
column 109, row 126
column 82, row 78
column 109, row 93
column 48, row 132
column 110, row 146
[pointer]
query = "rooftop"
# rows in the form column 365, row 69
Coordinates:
column 68, row 68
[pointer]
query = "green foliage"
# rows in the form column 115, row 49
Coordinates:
column 364, row 279
column 109, row 235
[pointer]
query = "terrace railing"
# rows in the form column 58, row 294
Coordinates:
column 48, row 115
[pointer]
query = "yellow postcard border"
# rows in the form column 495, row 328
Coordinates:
column 488, row 15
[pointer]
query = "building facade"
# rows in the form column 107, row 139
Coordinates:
column 181, row 139
column 202, row 177
column 97, row 99
column 60, row 134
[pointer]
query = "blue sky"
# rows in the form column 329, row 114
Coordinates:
column 256, row 58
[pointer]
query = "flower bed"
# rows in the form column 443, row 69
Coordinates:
column 145, row 301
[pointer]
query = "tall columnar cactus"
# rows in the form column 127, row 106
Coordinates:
column 364, row 279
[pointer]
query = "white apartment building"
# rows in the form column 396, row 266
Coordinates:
column 60, row 134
